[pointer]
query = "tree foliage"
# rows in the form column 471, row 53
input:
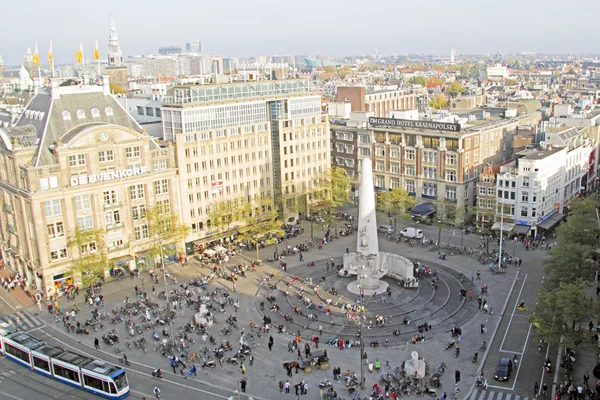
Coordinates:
column 164, row 228
column 91, row 260
column 438, row 102
column 465, row 70
column 561, row 305
column 117, row 89
column 435, row 80
column 262, row 224
column 418, row 80
column 455, row 88
column 396, row 201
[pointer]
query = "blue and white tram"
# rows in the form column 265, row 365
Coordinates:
column 94, row 376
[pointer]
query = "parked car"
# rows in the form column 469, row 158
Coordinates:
column 503, row 369
column 385, row 229
column 412, row 233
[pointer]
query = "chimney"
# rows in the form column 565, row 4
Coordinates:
column 106, row 84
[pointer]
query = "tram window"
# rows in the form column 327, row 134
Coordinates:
column 121, row 380
column 95, row 383
column 41, row 364
column 66, row 373
column 112, row 388
column 10, row 349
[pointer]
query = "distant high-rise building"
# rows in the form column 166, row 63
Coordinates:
column 166, row 50
column 116, row 69
column 452, row 55
column 2, row 67
column 195, row 46
column 29, row 65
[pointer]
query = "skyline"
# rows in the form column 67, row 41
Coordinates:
column 275, row 27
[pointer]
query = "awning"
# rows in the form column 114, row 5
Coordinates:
column 210, row 252
column 552, row 221
column 219, row 248
column 506, row 227
column 424, row 209
column 121, row 260
column 521, row 229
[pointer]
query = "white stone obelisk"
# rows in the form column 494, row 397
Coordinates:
column 367, row 247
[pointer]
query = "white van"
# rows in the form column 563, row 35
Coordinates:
column 412, row 233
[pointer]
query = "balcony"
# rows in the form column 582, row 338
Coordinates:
column 108, row 206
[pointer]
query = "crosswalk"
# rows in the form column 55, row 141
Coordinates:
column 492, row 395
column 26, row 321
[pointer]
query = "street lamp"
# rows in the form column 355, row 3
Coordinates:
column 439, row 243
column 164, row 268
column 361, row 269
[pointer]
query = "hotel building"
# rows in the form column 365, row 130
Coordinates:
column 239, row 142
column 75, row 158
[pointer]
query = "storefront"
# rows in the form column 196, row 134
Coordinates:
column 61, row 283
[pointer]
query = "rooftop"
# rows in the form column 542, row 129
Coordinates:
column 537, row 154
column 26, row 340
column 101, row 367
column 74, row 358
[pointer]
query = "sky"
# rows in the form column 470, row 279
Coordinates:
column 283, row 27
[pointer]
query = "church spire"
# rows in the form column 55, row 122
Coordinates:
column 115, row 56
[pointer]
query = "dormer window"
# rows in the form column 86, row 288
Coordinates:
column 80, row 114
column 66, row 115
column 108, row 111
column 95, row 113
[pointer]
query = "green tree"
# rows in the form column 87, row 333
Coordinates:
column 438, row 102
column 224, row 213
column 418, row 80
column 164, row 229
column 455, row 88
column 465, row 70
column 435, row 80
column 262, row 224
column 91, row 261
column 474, row 72
column 330, row 69
column 398, row 202
column 559, row 311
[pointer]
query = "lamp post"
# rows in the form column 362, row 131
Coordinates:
column 439, row 243
column 361, row 269
column 164, row 268
column 501, row 227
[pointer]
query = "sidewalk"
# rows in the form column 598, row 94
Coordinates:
column 17, row 294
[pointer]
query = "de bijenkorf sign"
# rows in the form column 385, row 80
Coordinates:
column 375, row 122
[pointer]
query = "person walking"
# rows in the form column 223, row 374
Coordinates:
column 545, row 389
column 97, row 343
column 299, row 354
column 243, row 384
column 536, row 389
column 586, row 379
column 286, row 385
column 271, row 343
column 243, row 368
column 251, row 360
column 156, row 392
column 480, row 301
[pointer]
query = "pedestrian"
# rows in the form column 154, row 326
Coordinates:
column 243, row 385
column 320, row 330
column 193, row 370
column 536, row 389
column 280, row 386
column 591, row 325
column 586, row 379
column 289, row 371
column 471, row 294
column 270, row 343
column 305, row 388
column 221, row 361
column 153, row 291
column 299, row 354
column 287, row 386
column 97, row 343
column 156, row 392
column 233, row 287
column 290, row 346
column 243, row 368
column 297, row 387
column 479, row 301
column 204, row 337
column 545, row 389
column 485, row 384
column 485, row 308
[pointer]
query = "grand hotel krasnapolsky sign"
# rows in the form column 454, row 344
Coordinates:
column 375, row 122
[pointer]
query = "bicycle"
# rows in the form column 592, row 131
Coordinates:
column 124, row 360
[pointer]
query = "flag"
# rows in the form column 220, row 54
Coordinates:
column 36, row 55
column 79, row 54
column 96, row 52
column 51, row 56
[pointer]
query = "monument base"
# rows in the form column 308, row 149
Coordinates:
column 353, row 287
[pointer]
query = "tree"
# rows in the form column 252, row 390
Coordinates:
column 262, row 224
column 455, row 88
column 163, row 229
column 418, row 80
column 92, row 261
column 438, row 102
column 559, row 311
column 338, row 187
column 435, row 80
column 117, row 89
column 474, row 72
column 330, row 69
column 224, row 213
column 465, row 70
column 397, row 201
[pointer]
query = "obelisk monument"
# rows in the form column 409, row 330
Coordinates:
column 367, row 247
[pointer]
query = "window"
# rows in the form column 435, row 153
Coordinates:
column 164, row 206
column 114, row 238
column 394, row 183
column 467, row 144
column 451, row 192
column 136, row 192
column 340, row 147
column 76, row 159
column 113, row 217
column 430, row 172
column 105, row 156
column 140, row 110
column 524, row 211
column 533, row 212
column 429, row 189
column 409, row 154
column 158, row 165
column 85, row 222
column 110, row 197
column 58, row 254
column 88, row 248
column 451, row 175
column 467, row 157
column 395, row 152
column 394, row 168
column 379, row 151
column 410, row 170
column 525, row 196
column 132, row 152
column 379, row 166
column 364, row 139
column 482, row 191
column 526, row 181
column 150, row 111
column 379, row 181
column 364, row 151
column 409, row 186
column 52, row 208
column 138, row 211
column 430, row 157
column 55, row 230
column 41, row 364
column 141, row 232
column 490, row 191
column 83, row 202
column 534, row 198
column 161, row 187
column 451, row 159
column 475, row 155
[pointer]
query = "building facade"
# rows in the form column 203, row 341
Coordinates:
column 76, row 159
column 376, row 100
column 237, row 143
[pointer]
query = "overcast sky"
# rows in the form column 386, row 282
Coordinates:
column 275, row 27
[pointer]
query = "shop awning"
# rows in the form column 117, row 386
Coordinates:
column 219, row 248
column 506, row 227
column 210, row 252
column 521, row 229
column 121, row 260
column 424, row 209
column 552, row 221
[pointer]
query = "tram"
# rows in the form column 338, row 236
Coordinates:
column 94, row 376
